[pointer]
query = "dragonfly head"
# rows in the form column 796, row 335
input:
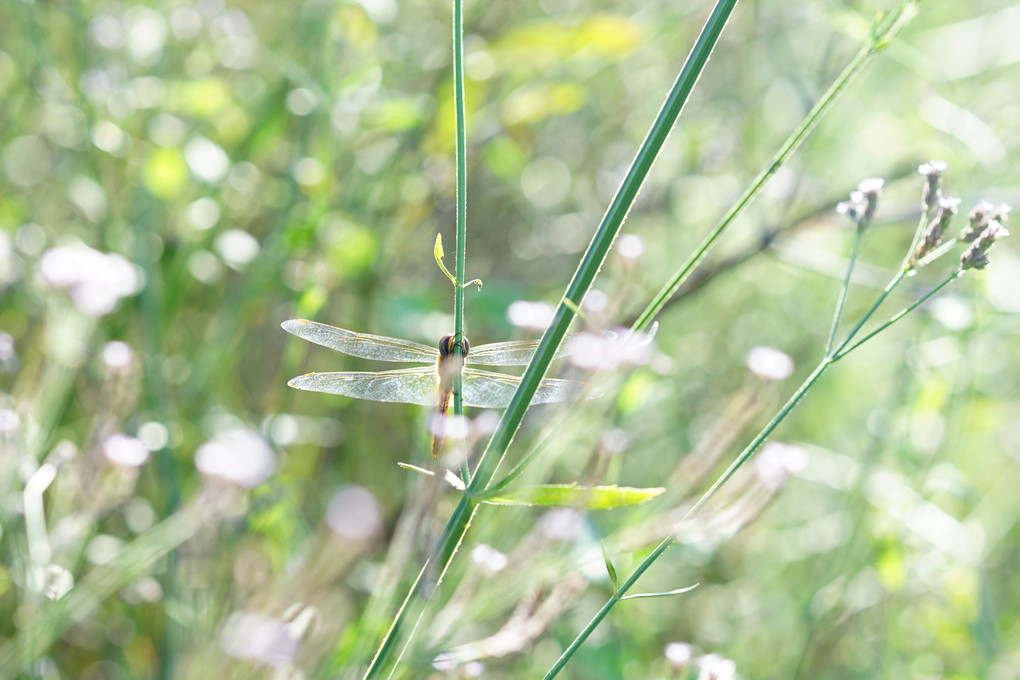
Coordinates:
column 446, row 346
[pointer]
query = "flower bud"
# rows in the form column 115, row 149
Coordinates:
column 983, row 213
column 932, row 237
column 976, row 256
column 932, row 170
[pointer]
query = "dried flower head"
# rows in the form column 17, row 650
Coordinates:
column 863, row 201
column 976, row 256
column 932, row 170
column 932, row 237
column 983, row 213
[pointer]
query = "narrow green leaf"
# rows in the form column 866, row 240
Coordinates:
column 574, row 496
column 610, row 568
column 668, row 593
column 415, row 468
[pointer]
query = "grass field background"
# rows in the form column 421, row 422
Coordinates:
column 177, row 179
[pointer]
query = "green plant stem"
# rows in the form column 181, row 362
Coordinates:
column 883, row 32
column 461, row 135
column 606, row 608
column 391, row 634
column 458, row 303
column 845, row 289
column 457, row 526
column 899, row 315
column 868, row 314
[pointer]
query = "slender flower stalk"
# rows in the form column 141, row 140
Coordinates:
column 861, row 209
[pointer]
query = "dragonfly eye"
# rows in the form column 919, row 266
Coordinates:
column 446, row 346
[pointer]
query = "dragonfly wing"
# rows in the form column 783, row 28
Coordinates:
column 514, row 353
column 408, row 386
column 361, row 344
column 494, row 390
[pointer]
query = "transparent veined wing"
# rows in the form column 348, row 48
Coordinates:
column 513, row 353
column 362, row 344
column 408, row 385
column 494, row 390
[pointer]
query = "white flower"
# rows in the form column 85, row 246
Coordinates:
column 932, row 168
column 488, row 559
column 96, row 281
column 238, row 455
column 353, row 513
column 715, row 667
column 777, row 461
column 678, row 654
column 122, row 449
column 769, row 363
column 611, row 350
column 247, row 635
column 532, row 315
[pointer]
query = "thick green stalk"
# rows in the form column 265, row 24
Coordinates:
column 883, row 32
column 589, row 266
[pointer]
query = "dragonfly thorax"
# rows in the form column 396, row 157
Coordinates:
column 447, row 345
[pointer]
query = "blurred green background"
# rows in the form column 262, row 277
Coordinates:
column 178, row 178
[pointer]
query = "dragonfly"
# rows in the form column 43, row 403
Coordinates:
column 430, row 385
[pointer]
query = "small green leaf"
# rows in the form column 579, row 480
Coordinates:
column 574, row 496
column 438, row 252
column 610, row 568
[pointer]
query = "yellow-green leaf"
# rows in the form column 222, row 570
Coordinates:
column 575, row 496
